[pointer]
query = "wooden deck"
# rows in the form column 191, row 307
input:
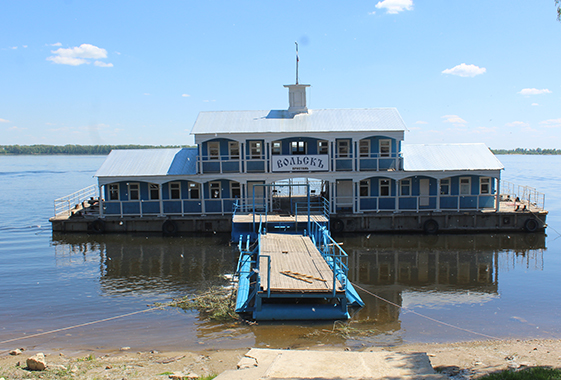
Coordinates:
column 276, row 218
column 296, row 265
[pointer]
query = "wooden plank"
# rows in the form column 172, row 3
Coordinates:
column 294, row 254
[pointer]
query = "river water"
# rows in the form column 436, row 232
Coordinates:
column 482, row 285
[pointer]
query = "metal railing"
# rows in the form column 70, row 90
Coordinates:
column 523, row 193
column 65, row 205
column 332, row 252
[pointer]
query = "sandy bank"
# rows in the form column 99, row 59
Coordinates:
column 463, row 360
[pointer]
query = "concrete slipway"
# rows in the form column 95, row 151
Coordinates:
column 296, row 364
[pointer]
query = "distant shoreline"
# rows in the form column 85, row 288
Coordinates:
column 36, row 150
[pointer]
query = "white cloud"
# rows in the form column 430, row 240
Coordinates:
column 372, row 13
column 465, row 71
column 395, row 6
column 14, row 47
column 454, row 119
column 517, row 124
column 67, row 60
column 186, row 95
column 551, row 123
column 421, row 122
column 79, row 55
column 535, row 104
column 534, row 91
column 56, row 44
column 102, row 64
column 4, row 121
column 14, row 128
column 147, row 94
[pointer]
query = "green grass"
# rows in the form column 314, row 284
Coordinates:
column 532, row 373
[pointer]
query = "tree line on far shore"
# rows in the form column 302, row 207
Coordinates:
column 72, row 149
column 105, row 149
column 527, row 151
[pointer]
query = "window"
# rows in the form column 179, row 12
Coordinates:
column 343, row 148
column 134, row 191
column 234, row 148
column 114, row 192
column 235, row 190
column 194, row 190
column 175, row 190
column 154, row 190
column 385, row 148
column 255, row 148
column 364, row 148
column 485, row 185
column 277, row 148
column 215, row 190
column 405, row 185
column 364, row 188
column 214, row 150
column 384, row 187
column 298, row 147
column 323, row 147
column 445, row 186
column 465, row 186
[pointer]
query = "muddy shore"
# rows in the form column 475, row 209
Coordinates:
column 463, row 360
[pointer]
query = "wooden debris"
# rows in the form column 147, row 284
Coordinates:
column 170, row 360
column 301, row 276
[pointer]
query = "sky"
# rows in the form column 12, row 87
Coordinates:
column 139, row 72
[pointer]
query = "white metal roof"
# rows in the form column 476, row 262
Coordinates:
column 149, row 162
column 438, row 157
column 275, row 121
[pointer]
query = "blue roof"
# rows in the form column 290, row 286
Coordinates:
column 149, row 162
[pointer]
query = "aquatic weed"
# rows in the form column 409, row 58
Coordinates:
column 216, row 304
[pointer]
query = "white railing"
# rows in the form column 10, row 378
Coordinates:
column 523, row 193
column 65, row 205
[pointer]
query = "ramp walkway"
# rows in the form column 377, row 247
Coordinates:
column 261, row 364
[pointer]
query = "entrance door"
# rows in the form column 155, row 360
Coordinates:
column 259, row 195
column 424, row 191
column 345, row 194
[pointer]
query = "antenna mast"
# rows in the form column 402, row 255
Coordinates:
column 297, row 60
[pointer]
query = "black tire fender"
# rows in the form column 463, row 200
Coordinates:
column 431, row 226
column 337, row 225
column 98, row 226
column 531, row 225
column 169, row 228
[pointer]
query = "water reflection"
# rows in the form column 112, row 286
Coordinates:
column 150, row 264
column 412, row 271
column 437, row 270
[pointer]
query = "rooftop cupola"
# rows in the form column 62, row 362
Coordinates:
column 297, row 98
column 297, row 92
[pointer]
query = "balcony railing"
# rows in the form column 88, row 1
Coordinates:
column 250, row 164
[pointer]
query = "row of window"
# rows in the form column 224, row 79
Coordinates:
column 194, row 190
column 405, row 187
column 235, row 189
column 298, row 147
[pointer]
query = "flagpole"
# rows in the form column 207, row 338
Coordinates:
column 297, row 60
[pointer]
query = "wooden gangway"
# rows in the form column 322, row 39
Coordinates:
column 292, row 264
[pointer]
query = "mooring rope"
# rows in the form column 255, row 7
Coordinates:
column 85, row 324
column 424, row 316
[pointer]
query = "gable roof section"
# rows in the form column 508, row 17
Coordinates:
column 149, row 162
column 326, row 120
column 439, row 157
